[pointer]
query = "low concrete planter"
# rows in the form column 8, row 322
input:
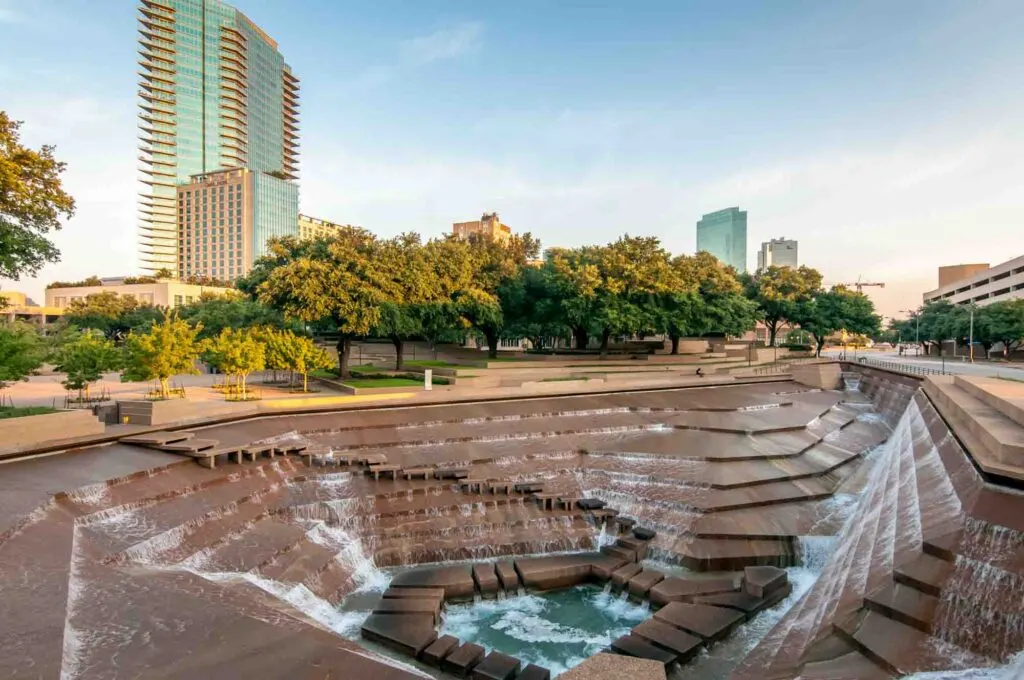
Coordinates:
column 17, row 434
column 143, row 412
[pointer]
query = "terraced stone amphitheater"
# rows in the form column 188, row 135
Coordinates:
column 762, row 529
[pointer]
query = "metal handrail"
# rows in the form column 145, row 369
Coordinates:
column 899, row 367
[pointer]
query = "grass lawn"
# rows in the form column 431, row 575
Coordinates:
column 565, row 378
column 383, row 382
column 19, row 411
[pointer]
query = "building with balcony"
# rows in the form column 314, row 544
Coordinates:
column 488, row 226
column 724, row 235
column 972, row 284
column 778, row 252
column 214, row 93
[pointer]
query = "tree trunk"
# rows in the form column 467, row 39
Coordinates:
column 581, row 337
column 344, row 354
column 305, row 382
column 492, row 343
column 819, row 343
column 605, row 335
column 773, row 328
column 165, row 390
column 241, row 384
column 399, row 344
column 675, row 344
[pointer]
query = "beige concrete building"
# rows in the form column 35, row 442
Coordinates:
column 984, row 286
column 226, row 217
column 959, row 272
column 488, row 226
column 314, row 227
column 15, row 306
column 163, row 293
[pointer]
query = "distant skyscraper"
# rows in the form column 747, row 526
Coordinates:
column 777, row 252
column 724, row 235
column 214, row 93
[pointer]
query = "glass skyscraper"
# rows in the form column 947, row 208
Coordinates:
column 214, row 93
column 724, row 235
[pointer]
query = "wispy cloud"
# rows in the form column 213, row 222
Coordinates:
column 445, row 43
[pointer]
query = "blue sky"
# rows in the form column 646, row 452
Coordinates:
column 884, row 136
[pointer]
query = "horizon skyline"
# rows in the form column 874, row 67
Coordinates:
column 874, row 178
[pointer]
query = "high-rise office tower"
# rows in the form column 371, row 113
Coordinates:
column 724, row 235
column 777, row 252
column 214, row 93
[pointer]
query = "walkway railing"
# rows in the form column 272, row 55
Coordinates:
column 900, row 367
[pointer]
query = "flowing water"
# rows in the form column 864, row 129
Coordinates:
column 557, row 630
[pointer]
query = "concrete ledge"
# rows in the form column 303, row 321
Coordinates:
column 1005, row 396
column 176, row 411
column 824, row 376
column 48, row 428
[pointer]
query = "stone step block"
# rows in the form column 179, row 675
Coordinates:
column 438, row 651
column 463, row 660
column 496, row 666
column 408, row 634
column 675, row 589
column 926, row 573
column 632, row 645
column 683, row 645
column 902, row 603
column 763, row 581
column 641, row 584
column 708, row 622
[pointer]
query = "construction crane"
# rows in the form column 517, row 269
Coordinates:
column 859, row 285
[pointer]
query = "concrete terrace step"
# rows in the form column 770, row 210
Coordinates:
column 902, row 603
column 994, row 440
column 927, row 574
column 902, row 649
column 256, row 545
column 302, row 561
column 1007, row 397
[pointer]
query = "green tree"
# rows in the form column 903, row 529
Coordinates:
column 277, row 346
column 530, row 306
column 32, row 202
column 217, row 312
column 85, row 357
column 238, row 353
column 778, row 291
column 112, row 314
column 936, row 323
column 707, row 298
column 22, row 351
column 339, row 279
column 169, row 348
column 495, row 265
column 835, row 310
column 413, row 284
column 1003, row 322
column 303, row 356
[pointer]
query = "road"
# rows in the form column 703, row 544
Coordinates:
column 957, row 366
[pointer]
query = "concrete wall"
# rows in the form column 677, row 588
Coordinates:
column 825, row 376
column 144, row 412
column 17, row 434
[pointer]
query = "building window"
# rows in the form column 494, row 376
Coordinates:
column 177, row 301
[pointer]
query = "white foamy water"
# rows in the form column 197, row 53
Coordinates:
column 1014, row 670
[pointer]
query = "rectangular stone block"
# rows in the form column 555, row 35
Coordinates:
column 640, row 584
column 457, row 581
column 436, row 653
column 507, row 575
column 419, row 593
column 763, row 581
column 559, row 571
column 408, row 634
column 463, row 660
column 632, row 645
column 534, row 672
column 621, row 576
column 496, row 666
column 709, row 623
column 683, row 645
column 486, row 579
column 675, row 589
column 617, row 551
column 409, row 605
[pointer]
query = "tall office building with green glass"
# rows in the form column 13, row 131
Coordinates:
column 215, row 93
column 724, row 235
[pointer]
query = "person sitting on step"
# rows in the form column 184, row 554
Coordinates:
column 700, row 372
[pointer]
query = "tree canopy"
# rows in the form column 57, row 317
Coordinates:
column 778, row 292
column 32, row 203
column 22, row 351
column 84, row 358
column 838, row 309
column 169, row 348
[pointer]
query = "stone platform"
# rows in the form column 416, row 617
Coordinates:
column 728, row 477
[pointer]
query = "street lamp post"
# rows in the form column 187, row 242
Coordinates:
column 970, row 341
column 917, row 332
